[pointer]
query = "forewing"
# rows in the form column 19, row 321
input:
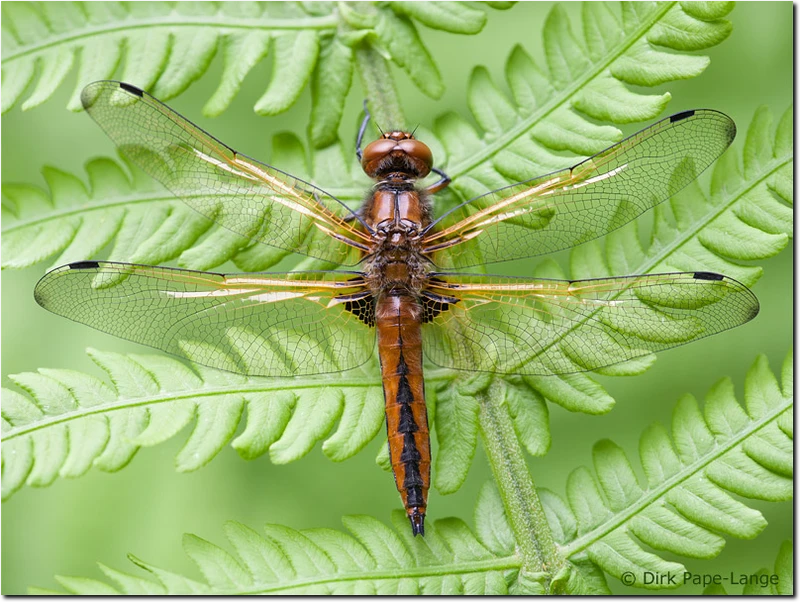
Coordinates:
column 255, row 324
column 539, row 326
column 249, row 198
column 572, row 206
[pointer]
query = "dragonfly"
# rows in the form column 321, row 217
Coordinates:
column 402, row 280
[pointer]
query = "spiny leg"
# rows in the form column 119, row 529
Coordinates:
column 361, row 130
column 443, row 182
column 359, row 140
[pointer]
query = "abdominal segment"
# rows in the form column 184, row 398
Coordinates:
column 400, row 348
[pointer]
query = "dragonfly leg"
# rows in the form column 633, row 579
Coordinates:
column 354, row 216
column 444, row 180
column 361, row 130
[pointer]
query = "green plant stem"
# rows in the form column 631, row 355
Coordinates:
column 378, row 84
column 373, row 67
column 522, row 504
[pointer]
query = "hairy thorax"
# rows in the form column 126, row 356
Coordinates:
column 398, row 213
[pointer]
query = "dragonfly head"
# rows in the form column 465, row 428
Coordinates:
column 397, row 152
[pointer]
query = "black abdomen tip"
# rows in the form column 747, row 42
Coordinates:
column 417, row 518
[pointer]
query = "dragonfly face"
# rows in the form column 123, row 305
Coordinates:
column 401, row 288
column 397, row 152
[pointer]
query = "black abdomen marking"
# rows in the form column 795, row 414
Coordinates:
column 407, row 426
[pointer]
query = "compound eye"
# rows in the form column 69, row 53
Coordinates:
column 376, row 150
column 417, row 150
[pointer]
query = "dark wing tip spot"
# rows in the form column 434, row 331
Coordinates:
column 84, row 265
column 708, row 276
column 679, row 116
column 132, row 89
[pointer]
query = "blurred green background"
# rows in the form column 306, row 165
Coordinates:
column 66, row 528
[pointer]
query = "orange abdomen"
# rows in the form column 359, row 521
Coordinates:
column 398, row 320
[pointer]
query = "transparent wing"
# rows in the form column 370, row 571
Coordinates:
column 539, row 326
column 572, row 206
column 247, row 197
column 256, row 324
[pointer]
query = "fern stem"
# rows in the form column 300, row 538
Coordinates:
column 126, row 26
column 376, row 78
column 346, row 194
column 379, row 88
column 462, row 568
column 207, row 393
column 687, row 234
column 80, row 210
column 522, row 504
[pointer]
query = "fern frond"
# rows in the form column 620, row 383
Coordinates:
column 371, row 560
column 751, row 205
column 523, row 138
column 608, row 42
column 166, row 46
column 730, row 449
column 745, row 215
column 776, row 582
column 587, row 79
column 77, row 222
column 70, row 421
column 688, row 503
column 73, row 421
column 145, row 222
